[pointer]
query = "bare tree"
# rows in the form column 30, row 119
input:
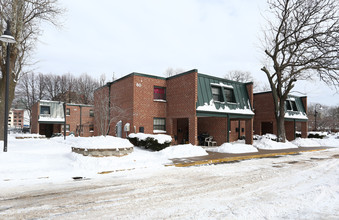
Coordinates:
column 30, row 89
column 171, row 72
column 26, row 17
column 245, row 77
column 301, row 42
column 85, row 87
column 106, row 111
column 239, row 76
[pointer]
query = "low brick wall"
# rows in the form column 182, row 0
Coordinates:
column 117, row 152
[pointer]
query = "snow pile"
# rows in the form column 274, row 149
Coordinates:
column 30, row 161
column 161, row 138
column 100, row 142
column 30, row 135
column 185, row 150
column 329, row 141
column 234, row 148
column 268, row 144
column 320, row 133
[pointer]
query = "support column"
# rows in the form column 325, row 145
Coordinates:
column 193, row 130
column 249, row 131
column 228, row 128
column 304, row 129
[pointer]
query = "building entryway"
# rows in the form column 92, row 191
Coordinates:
column 46, row 129
column 266, row 128
column 182, row 131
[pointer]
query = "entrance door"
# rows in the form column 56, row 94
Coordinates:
column 182, row 125
column 266, row 128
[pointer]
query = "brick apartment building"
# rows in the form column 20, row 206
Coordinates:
column 16, row 118
column 189, row 106
column 295, row 116
column 48, row 118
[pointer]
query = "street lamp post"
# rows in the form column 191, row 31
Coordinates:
column 315, row 115
column 7, row 38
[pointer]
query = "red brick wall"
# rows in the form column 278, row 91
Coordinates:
column 289, row 130
column 35, row 111
column 215, row 127
column 182, row 95
column 145, row 108
column 264, row 111
column 74, row 120
column 121, row 96
column 100, row 104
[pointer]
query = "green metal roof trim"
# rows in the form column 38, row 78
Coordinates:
column 51, row 122
column 300, row 114
column 206, row 103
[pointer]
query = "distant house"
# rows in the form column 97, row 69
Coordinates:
column 48, row 118
column 295, row 116
column 189, row 106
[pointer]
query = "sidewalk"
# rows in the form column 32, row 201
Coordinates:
column 215, row 157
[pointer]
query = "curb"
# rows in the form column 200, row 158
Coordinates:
column 233, row 159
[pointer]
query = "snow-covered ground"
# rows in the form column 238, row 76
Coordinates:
column 31, row 161
column 303, row 186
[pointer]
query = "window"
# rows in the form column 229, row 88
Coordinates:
column 45, row 110
column 91, row 128
column 159, row 124
column 159, row 93
column 294, row 106
column 91, row 113
column 216, row 94
column 229, row 95
column 67, row 128
column 291, row 105
column 68, row 111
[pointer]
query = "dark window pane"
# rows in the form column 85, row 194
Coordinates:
column 91, row 113
column 45, row 110
column 159, row 124
column 229, row 94
column 288, row 105
column 216, row 94
column 294, row 106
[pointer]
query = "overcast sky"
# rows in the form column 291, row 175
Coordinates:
column 149, row 36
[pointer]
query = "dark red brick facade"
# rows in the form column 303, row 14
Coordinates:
column 135, row 94
column 79, row 119
column 264, row 118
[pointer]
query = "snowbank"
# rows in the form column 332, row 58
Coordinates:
column 161, row 138
column 268, row 144
column 330, row 141
column 234, row 148
column 30, row 161
column 185, row 150
column 100, row 142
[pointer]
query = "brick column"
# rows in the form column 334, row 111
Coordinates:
column 193, row 130
column 249, row 131
column 304, row 129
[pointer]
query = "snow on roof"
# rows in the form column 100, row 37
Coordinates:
column 222, row 85
column 212, row 108
column 51, row 119
column 299, row 115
